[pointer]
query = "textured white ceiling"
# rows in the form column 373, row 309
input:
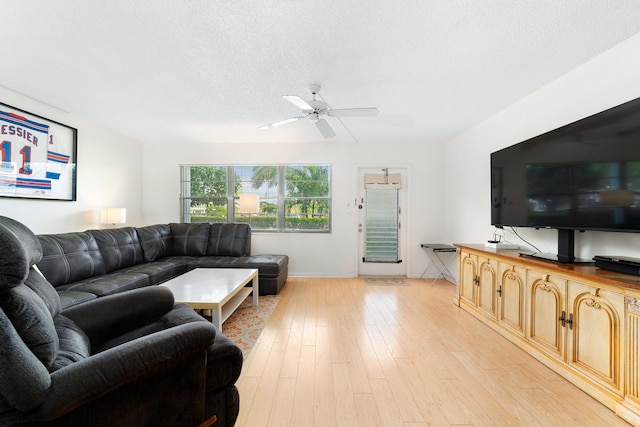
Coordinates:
column 214, row 71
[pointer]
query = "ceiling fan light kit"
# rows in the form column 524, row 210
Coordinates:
column 315, row 108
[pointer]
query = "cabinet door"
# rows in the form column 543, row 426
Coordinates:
column 511, row 297
column 594, row 342
column 467, row 280
column 547, row 301
column 632, row 345
column 487, row 286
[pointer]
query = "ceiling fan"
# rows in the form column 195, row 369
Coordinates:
column 315, row 108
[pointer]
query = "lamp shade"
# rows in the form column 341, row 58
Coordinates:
column 113, row 215
column 249, row 203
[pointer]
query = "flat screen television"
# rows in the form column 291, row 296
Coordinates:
column 581, row 176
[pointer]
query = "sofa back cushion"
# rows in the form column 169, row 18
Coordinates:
column 47, row 293
column 229, row 240
column 30, row 308
column 120, row 247
column 74, row 343
column 32, row 321
column 156, row 241
column 26, row 384
column 20, row 249
column 190, row 239
column 69, row 257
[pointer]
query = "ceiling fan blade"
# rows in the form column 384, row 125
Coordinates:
column 281, row 122
column 324, row 128
column 298, row 102
column 345, row 112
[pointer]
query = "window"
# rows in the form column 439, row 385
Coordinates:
column 282, row 198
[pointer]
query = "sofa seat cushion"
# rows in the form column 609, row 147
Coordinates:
column 219, row 262
column 179, row 260
column 272, row 269
column 268, row 265
column 108, row 284
column 69, row 298
column 158, row 271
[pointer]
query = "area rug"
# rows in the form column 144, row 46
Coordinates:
column 384, row 281
column 246, row 323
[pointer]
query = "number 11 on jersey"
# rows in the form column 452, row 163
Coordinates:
column 7, row 165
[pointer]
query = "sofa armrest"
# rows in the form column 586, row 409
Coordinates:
column 224, row 363
column 117, row 375
column 113, row 315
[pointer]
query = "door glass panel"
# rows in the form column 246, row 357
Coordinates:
column 381, row 225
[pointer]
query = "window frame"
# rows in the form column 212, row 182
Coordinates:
column 233, row 182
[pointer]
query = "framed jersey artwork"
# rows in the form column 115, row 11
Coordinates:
column 38, row 156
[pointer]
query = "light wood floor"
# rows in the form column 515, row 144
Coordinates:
column 337, row 352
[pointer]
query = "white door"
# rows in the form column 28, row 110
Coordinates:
column 381, row 216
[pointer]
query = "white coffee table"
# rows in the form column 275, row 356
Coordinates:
column 220, row 290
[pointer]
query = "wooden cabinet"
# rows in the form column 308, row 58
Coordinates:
column 632, row 340
column 479, row 283
column 494, row 289
column 547, row 302
column 578, row 321
column 578, row 324
column 511, row 297
column 487, row 286
column 468, row 264
column 594, row 345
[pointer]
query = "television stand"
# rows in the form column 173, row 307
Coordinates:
column 557, row 258
column 594, row 345
column 566, row 250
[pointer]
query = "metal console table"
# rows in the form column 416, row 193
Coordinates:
column 439, row 255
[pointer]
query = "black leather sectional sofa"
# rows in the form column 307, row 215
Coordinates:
column 83, row 266
column 125, row 359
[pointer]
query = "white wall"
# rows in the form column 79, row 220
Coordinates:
column 328, row 255
column 606, row 81
column 109, row 175
column 118, row 172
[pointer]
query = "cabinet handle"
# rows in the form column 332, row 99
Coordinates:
column 499, row 291
column 565, row 320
